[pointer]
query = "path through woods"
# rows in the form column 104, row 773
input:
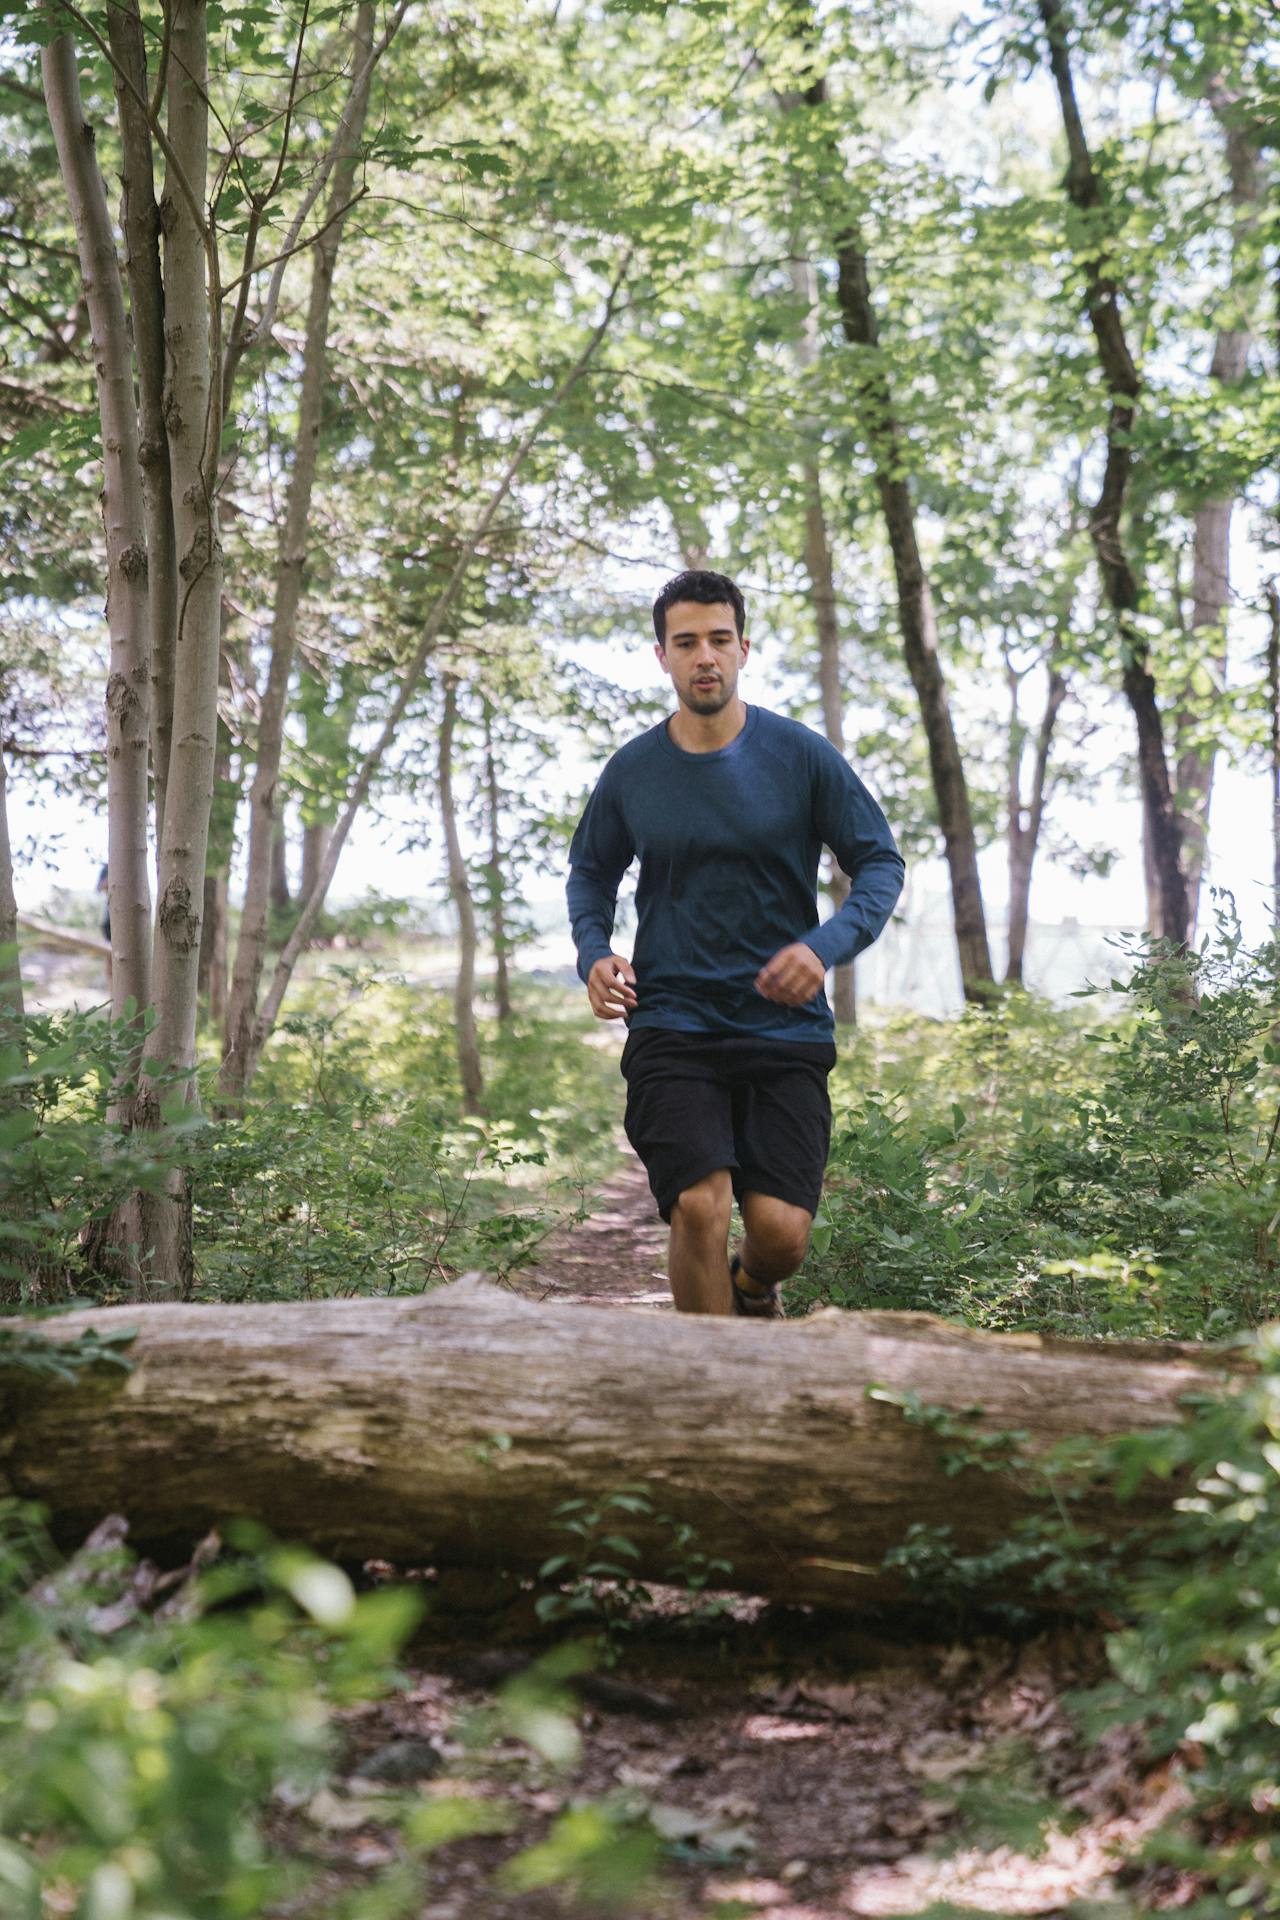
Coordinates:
column 801, row 1767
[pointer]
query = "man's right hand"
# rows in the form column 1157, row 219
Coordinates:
column 611, row 987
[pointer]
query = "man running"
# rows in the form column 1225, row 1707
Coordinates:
column 730, row 1036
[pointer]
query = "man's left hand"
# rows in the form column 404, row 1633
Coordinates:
column 793, row 977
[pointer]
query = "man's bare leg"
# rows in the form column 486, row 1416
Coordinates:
column 698, row 1260
column 774, row 1244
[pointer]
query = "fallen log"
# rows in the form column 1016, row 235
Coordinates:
column 448, row 1428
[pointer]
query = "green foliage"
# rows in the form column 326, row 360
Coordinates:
column 1200, row 1664
column 1025, row 1167
column 138, row 1764
column 63, row 1161
column 595, row 1575
column 353, row 1168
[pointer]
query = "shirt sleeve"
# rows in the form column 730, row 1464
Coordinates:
column 850, row 822
column 599, row 854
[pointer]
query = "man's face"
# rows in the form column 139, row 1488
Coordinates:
column 703, row 654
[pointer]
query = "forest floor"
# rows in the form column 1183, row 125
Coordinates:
column 799, row 1766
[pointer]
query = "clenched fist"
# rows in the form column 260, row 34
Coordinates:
column 793, row 977
column 611, row 987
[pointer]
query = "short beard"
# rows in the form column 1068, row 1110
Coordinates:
column 710, row 702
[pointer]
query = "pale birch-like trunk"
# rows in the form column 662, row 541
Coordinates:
column 411, row 680
column 497, row 885
column 1211, row 548
column 193, row 420
column 140, row 224
column 822, row 598
column 464, row 1010
column 124, row 521
column 251, row 946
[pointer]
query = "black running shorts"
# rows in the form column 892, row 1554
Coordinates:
column 699, row 1101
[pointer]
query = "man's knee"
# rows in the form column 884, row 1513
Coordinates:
column 705, row 1207
column 778, row 1233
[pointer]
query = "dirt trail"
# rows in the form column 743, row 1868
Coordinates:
column 617, row 1257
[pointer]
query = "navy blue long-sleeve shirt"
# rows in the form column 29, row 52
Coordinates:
column 729, row 844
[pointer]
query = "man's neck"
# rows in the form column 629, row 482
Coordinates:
column 707, row 732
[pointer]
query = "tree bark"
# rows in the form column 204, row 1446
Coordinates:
column 11, row 1003
column 497, row 887
column 882, row 435
column 917, row 622
column 464, row 1011
column 280, row 896
column 124, row 520
column 1211, row 545
column 1120, row 582
column 140, row 224
column 193, row 422
column 366, row 1428
column 1027, row 817
column 251, row 945
column 822, row 598
column 1273, row 703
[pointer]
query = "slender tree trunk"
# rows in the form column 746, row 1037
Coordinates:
column 464, row 1011
column 315, row 845
column 882, row 434
column 212, row 982
column 1273, row 701
column 124, row 519
column 1211, row 550
column 822, row 598
column 251, row 946
column 917, row 623
column 411, row 679
column 1119, row 580
column 1027, row 816
column 280, row 896
column 11, row 1003
column 140, row 224
column 497, row 890
column 193, row 421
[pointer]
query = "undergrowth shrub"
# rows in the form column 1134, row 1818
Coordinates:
column 1032, row 1167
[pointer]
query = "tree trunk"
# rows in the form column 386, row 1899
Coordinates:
column 1119, row 580
column 124, row 519
column 315, row 844
column 464, row 1011
column 140, row 224
column 193, row 422
column 11, row 1004
column 917, row 623
column 882, row 435
column 1273, row 702
column 251, row 946
column 212, row 981
column 366, row 1428
column 1211, row 549
column 1027, row 817
column 280, row 896
column 822, row 598
column 497, row 890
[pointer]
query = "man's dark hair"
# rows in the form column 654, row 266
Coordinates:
column 708, row 589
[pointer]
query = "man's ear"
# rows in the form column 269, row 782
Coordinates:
column 660, row 653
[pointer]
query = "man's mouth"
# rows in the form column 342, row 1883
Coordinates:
column 712, row 682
